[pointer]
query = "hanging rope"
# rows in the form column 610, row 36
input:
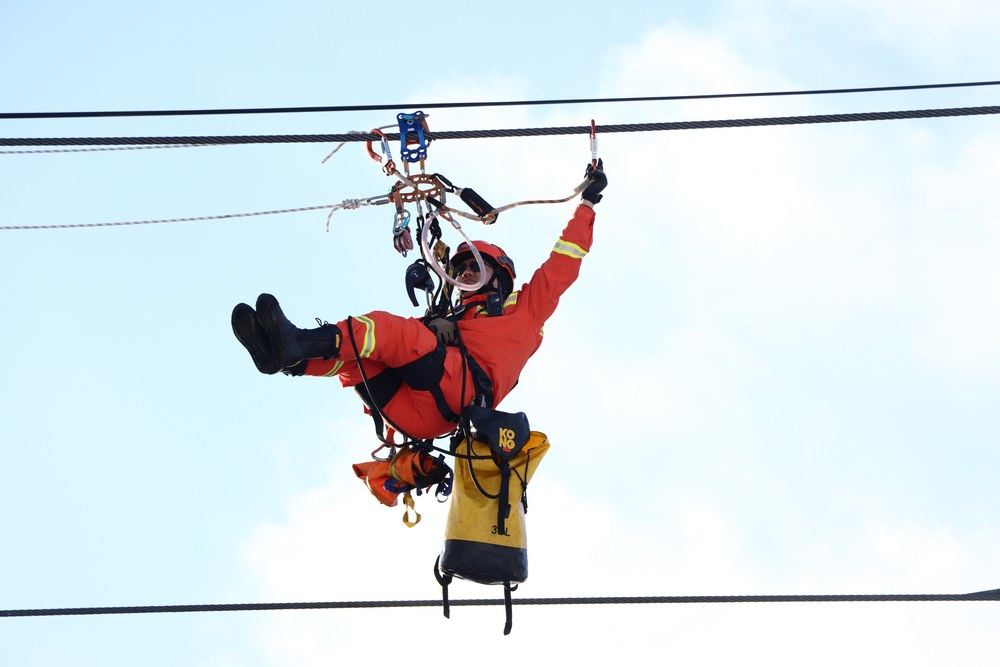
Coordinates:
column 524, row 132
column 982, row 596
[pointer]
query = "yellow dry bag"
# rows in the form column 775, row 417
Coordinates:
column 485, row 538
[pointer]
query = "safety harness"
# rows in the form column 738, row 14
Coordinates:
column 423, row 374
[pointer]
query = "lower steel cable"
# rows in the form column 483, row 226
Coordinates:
column 982, row 596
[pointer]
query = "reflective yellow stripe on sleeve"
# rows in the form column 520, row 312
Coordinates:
column 369, row 345
column 569, row 249
column 333, row 371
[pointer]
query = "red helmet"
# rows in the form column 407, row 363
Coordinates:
column 503, row 266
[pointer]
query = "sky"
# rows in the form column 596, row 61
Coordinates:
column 777, row 373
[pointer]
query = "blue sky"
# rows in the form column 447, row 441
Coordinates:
column 778, row 372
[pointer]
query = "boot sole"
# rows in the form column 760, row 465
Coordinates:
column 269, row 315
column 250, row 334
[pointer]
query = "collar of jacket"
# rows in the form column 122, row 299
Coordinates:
column 479, row 298
column 471, row 304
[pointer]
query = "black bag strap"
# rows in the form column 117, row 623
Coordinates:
column 444, row 580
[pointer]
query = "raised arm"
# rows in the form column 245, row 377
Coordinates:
column 561, row 269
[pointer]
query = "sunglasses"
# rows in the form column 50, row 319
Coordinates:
column 472, row 265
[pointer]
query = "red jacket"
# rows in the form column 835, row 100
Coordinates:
column 502, row 344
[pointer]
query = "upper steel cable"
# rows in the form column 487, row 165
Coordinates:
column 523, row 132
column 466, row 134
column 457, row 105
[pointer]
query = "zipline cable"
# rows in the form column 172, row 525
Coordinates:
column 458, row 105
column 523, row 132
column 981, row 596
column 463, row 134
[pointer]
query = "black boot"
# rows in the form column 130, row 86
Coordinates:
column 291, row 345
column 248, row 332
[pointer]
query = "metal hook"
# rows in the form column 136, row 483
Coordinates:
column 593, row 143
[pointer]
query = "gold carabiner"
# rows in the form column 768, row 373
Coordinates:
column 409, row 504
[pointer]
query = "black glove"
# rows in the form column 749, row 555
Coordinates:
column 446, row 331
column 599, row 181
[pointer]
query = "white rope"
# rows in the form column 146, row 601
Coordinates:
column 108, row 148
column 352, row 204
column 158, row 222
column 339, row 146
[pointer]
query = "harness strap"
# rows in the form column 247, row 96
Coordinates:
column 379, row 390
column 424, row 374
column 503, row 500
column 482, row 382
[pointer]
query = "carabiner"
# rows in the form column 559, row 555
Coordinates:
column 388, row 166
column 593, row 143
column 401, row 222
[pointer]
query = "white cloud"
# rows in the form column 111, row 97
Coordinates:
column 675, row 60
column 957, row 238
column 579, row 547
column 676, row 385
column 945, row 33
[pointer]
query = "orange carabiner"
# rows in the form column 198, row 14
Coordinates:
column 388, row 166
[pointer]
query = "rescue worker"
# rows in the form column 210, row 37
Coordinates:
column 414, row 372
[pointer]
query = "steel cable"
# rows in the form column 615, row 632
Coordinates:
column 458, row 105
column 981, row 596
column 162, row 142
column 498, row 133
